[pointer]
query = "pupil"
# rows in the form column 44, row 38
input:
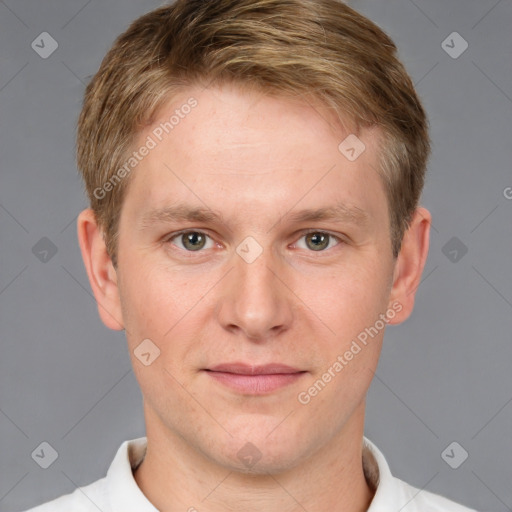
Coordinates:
column 193, row 241
column 319, row 241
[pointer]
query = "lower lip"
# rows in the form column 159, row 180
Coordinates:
column 255, row 384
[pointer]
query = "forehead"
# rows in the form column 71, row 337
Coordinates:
column 224, row 142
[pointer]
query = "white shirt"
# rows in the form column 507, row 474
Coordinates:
column 118, row 491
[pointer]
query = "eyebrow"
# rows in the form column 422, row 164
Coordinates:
column 339, row 212
column 184, row 213
column 180, row 213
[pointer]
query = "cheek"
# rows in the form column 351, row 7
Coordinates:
column 346, row 306
column 163, row 304
column 150, row 302
column 347, row 299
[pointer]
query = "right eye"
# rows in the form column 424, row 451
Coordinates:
column 191, row 241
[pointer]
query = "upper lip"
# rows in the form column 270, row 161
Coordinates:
column 250, row 369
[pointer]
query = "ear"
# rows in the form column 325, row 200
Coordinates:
column 409, row 265
column 100, row 270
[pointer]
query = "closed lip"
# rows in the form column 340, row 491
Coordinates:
column 250, row 369
column 254, row 379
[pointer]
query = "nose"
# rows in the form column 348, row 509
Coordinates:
column 256, row 301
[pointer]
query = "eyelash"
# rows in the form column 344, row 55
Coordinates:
column 304, row 233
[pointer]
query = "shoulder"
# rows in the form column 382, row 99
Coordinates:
column 92, row 497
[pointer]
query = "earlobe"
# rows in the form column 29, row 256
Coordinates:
column 101, row 272
column 409, row 264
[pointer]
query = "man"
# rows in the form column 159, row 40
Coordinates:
column 254, row 169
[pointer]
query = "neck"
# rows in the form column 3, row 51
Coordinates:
column 175, row 477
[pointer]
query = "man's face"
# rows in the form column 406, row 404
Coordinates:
column 252, row 302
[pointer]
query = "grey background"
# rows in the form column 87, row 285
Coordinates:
column 444, row 375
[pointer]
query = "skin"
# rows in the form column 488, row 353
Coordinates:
column 257, row 160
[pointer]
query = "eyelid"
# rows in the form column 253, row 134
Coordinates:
column 322, row 231
column 176, row 234
column 305, row 232
column 300, row 234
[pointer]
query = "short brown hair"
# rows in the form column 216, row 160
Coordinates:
column 321, row 48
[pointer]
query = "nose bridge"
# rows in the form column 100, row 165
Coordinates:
column 257, row 303
column 254, row 271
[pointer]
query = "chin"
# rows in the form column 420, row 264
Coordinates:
column 259, row 450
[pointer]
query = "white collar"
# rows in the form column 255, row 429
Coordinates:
column 391, row 494
column 122, row 489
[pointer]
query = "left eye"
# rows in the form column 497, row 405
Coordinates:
column 193, row 240
column 319, row 240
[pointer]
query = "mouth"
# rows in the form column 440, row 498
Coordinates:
column 254, row 380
